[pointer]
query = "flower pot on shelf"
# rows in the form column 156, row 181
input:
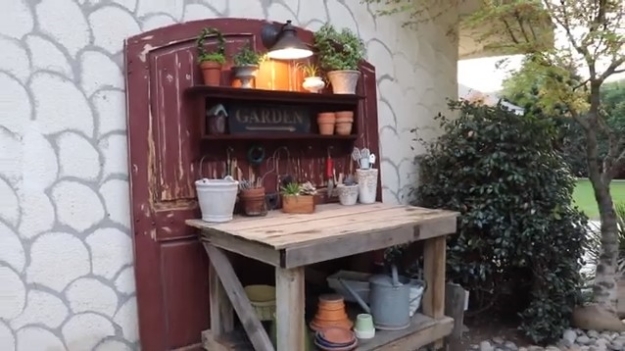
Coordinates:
column 246, row 74
column 211, row 72
column 326, row 122
column 253, row 201
column 313, row 84
column 344, row 122
column 348, row 194
column 298, row 204
column 367, row 185
column 344, row 82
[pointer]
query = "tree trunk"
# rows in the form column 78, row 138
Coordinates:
column 604, row 289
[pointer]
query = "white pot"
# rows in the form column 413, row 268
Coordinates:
column 313, row 84
column 367, row 185
column 216, row 198
column 344, row 82
column 348, row 194
column 245, row 74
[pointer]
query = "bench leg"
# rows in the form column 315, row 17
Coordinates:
column 290, row 309
column 434, row 271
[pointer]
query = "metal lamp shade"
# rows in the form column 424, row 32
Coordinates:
column 283, row 44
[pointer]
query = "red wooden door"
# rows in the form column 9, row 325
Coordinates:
column 164, row 149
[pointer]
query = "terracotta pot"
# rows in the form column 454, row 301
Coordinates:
column 211, row 71
column 326, row 122
column 344, row 82
column 331, row 313
column 345, row 116
column 254, row 201
column 344, row 122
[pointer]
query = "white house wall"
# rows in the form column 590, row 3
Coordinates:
column 66, row 267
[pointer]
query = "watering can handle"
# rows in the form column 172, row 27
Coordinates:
column 395, row 275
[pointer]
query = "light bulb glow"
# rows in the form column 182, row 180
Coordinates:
column 289, row 54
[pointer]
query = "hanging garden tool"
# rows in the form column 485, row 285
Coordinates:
column 255, row 157
column 330, row 173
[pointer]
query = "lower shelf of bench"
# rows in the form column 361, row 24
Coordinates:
column 423, row 330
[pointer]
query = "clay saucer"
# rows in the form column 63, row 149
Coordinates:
column 337, row 336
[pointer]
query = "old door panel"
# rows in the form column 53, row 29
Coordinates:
column 183, row 265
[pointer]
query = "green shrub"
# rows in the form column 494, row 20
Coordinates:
column 518, row 236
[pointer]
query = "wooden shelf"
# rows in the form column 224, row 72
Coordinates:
column 423, row 330
column 277, row 96
column 282, row 136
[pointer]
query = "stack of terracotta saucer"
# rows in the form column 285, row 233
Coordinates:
column 331, row 313
column 335, row 339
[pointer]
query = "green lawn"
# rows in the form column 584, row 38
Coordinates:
column 585, row 198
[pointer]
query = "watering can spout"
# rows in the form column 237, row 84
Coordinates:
column 357, row 297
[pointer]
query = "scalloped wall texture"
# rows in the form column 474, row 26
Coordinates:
column 66, row 266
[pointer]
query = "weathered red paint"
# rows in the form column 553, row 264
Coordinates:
column 165, row 149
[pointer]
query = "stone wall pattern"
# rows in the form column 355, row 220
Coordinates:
column 66, row 260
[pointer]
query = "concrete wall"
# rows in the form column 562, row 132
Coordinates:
column 66, row 275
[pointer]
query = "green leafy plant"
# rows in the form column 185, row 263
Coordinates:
column 246, row 56
column 309, row 69
column 291, row 189
column 338, row 50
column 219, row 54
column 519, row 237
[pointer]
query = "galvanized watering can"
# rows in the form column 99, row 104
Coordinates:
column 389, row 298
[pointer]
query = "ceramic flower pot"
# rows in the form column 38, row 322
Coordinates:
column 344, row 82
column 211, row 72
column 348, row 194
column 246, row 74
column 326, row 122
column 344, row 122
column 367, row 185
column 216, row 198
column 253, row 201
column 313, row 84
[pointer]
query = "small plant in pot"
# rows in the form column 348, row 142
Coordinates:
column 312, row 81
column 339, row 55
column 298, row 198
column 366, row 175
column 252, row 196
column 211, row 62
column 348, row 191
column 246, row 63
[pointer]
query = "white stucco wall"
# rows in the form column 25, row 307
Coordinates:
column 66, row 275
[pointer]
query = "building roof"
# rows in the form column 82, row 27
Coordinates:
column 490, row 99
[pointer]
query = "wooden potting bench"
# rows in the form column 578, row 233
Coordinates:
column 290, row 242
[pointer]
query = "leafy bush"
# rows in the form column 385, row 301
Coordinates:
column 518, row 233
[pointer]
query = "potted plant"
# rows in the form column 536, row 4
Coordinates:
column 312, row 81
column 252, row 197
column 298, row 198
column 246, row 62
column 348, row 191
column 339, row 55
column 211, row 62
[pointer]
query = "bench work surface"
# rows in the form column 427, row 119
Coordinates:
column 333, row 231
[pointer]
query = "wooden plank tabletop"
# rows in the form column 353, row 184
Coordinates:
column 330, row 222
